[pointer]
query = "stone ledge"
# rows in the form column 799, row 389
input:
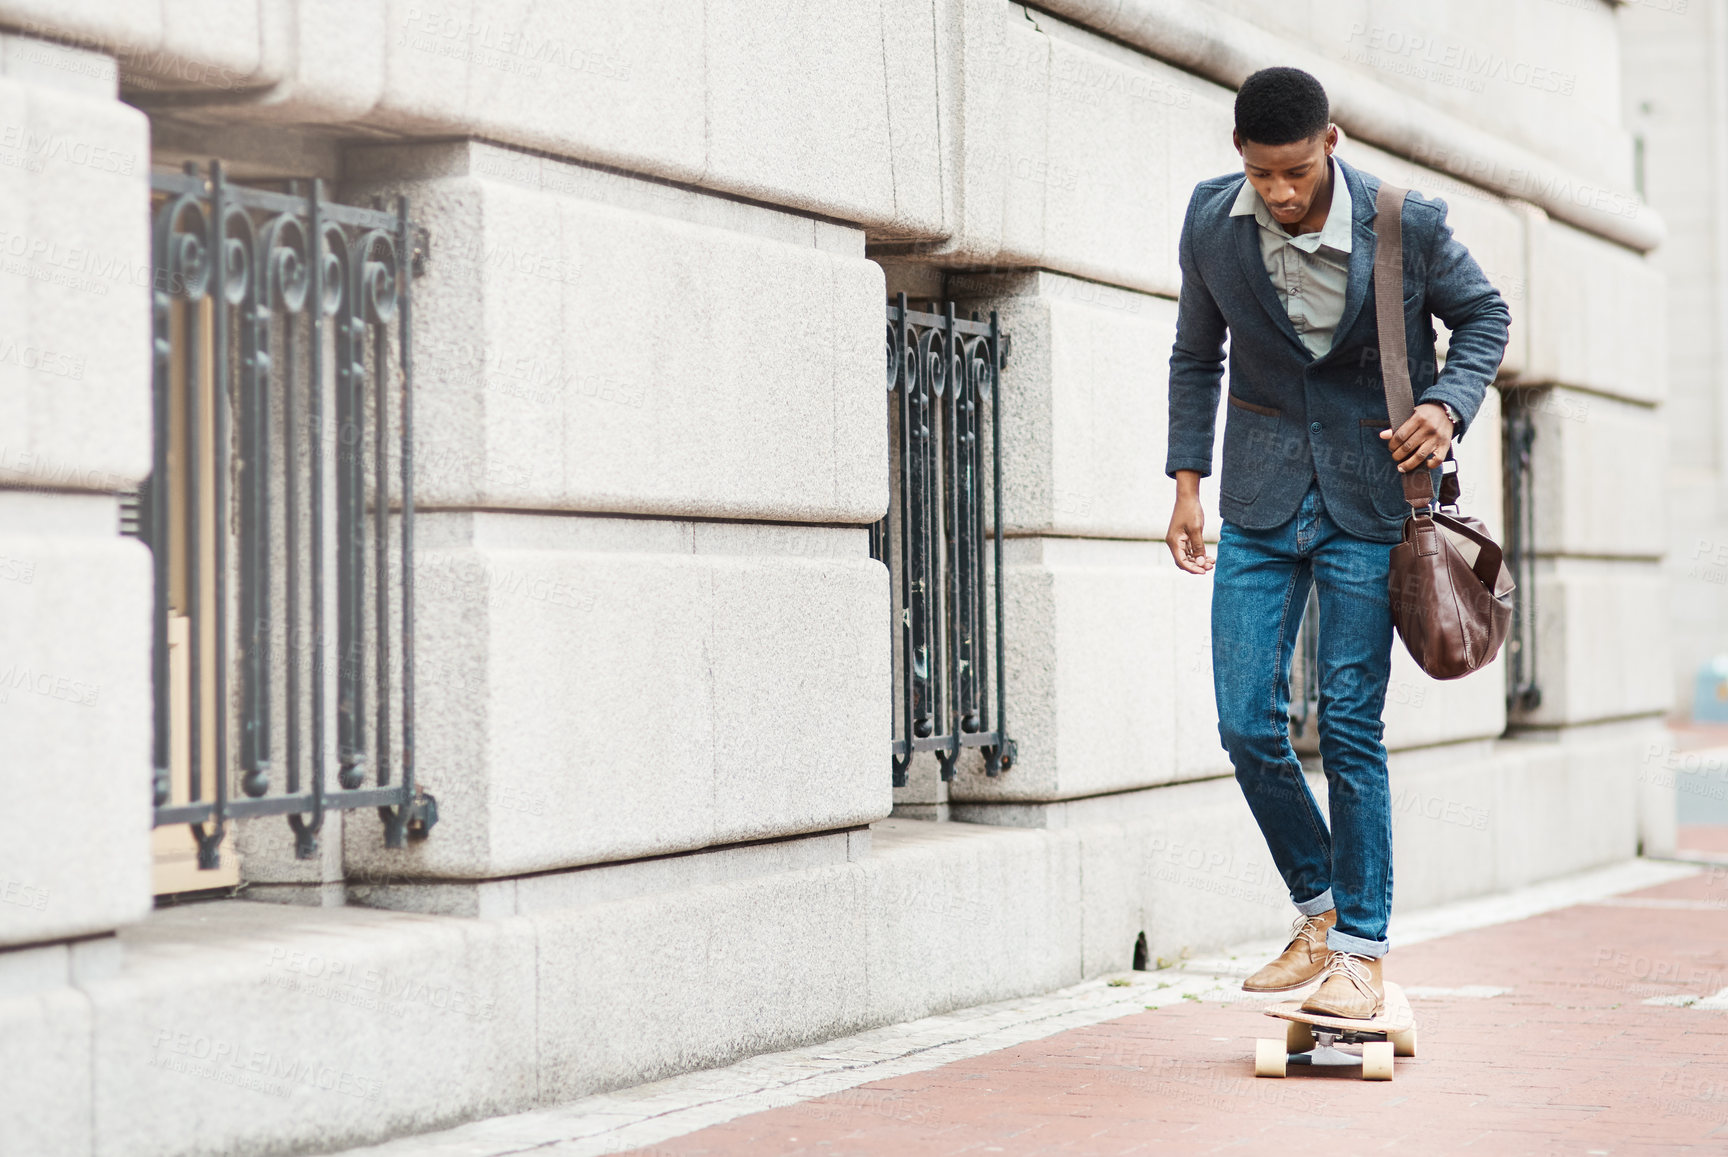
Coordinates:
column 368, row 165
column 600, row 883
column 1224, row 49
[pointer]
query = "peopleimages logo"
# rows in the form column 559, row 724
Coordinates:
column 373, row 989
column 41, row 360
column 1457, row 65
column 43, row 258
column 262, row 1070
column 1528, row 184
column 68, row 690
column 452, row 33
column 23, row 895
column 42, row 147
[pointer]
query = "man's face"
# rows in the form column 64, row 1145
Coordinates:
column 1288, row 177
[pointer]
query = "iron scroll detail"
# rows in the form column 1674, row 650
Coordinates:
column 942, row 537
column 251, row 288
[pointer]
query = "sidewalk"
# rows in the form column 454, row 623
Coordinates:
column 1597, row 1025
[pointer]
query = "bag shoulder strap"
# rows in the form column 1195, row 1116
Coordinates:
column 1389, row 317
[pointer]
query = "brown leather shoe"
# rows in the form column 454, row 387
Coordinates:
column 1352, row 987
column 1303, row 959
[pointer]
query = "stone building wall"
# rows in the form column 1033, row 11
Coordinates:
column 1675, row 102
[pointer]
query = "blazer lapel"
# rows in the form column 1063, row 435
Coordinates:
column 1254, row 270
column 1362, row 245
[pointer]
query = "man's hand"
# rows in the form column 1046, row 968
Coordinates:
column 1423, row 440
column 1187, row 525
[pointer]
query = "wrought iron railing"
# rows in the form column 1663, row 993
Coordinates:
column 944, row 371
column 250, row 286
column 1523, row 690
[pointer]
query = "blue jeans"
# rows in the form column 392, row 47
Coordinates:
column 1260, row 586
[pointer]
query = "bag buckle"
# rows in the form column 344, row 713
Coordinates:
column 1450, row 487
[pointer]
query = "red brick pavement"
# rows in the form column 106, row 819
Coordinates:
column 1571, row 1061
column 1703, row 837
column 1686, row 735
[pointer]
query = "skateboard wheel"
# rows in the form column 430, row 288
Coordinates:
column 1404, row 1043
column 1377, row 1061
column 1269, row 1058
column 1298, row 1037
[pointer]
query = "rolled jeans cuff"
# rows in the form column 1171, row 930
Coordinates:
column 1344, row 942
column 1319, row 904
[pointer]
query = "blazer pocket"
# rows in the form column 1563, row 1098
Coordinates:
column 1378, row 472
column 1252, row 408
column 1252, row 449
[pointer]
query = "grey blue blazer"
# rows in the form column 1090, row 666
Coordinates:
column 1293, row 417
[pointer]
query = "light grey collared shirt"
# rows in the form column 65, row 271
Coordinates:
column 1310, row 271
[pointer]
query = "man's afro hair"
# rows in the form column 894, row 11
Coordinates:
column 1278, row 106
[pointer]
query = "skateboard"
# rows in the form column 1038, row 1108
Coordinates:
column 1312, row 1038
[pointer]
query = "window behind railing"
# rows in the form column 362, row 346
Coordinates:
column 1523, row 691
column 943, row 553
column 285, row 609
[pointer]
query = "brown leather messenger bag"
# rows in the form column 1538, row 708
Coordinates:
column 1450, row 589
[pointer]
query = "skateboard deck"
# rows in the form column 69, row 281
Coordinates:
column 1312, row 1039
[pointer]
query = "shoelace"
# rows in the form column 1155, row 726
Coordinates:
column 1352, row 967
column 1304, row 929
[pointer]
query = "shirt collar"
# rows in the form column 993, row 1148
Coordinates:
column 1335, row 234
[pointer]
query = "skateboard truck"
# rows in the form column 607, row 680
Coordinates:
column 1312, row 1039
